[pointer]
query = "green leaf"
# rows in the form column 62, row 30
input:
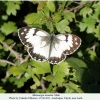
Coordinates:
column 68, row 90
column 36, row 18
column 88, row 23
column 86, row 11
column 3, row 64
column 57, row 79
column 41, row 5
column 69, row 15
column 46, row 11
column 12, row 79
column 51, row 6
column 41, row 67
column 9, row 41
column 68, row 3
column 20, row 82
column 30, row 19
column 62, row 26
column 57, row 17
column 12, row 8
column 59, row 72
column 76, row 63
column 74, row 87
column 1, row 46
column 4, row 17
column 49, row 89
column 92, row 54
column 33, row 86
column 80, row 74
column 2, row 37
column 24, row 64
column 29, row 73
column 8, row 28
column 36, row 80
column 82, row 26
column 96, row 15
column 2, row 90
column 62, row 67
column 40, row 91
column 96, row 5
column 97, row 32
column 17, row 70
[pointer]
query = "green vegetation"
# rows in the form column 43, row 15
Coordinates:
column 79, row 73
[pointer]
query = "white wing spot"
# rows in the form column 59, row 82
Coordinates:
column 25, row 29
column 76, row 43
column 69, row 38
column 61, row 37
column 75, row 39
column 68, row 48
column 22, row 33
column 42, row 33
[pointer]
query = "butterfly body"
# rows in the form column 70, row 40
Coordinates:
column 43, row 46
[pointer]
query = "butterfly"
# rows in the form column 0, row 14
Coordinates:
column 45, row 47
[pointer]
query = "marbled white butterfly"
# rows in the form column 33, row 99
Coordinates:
column 42, row 46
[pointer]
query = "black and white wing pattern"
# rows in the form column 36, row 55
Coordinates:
column 42, row 46
column 63, row 44
column 37, row 42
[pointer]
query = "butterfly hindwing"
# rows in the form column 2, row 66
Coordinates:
column 36, row 56
column 56, row 55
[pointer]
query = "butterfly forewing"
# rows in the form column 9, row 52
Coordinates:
column 42, row 46
column 31, row 36
column 69, row 43
column 37, row 42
